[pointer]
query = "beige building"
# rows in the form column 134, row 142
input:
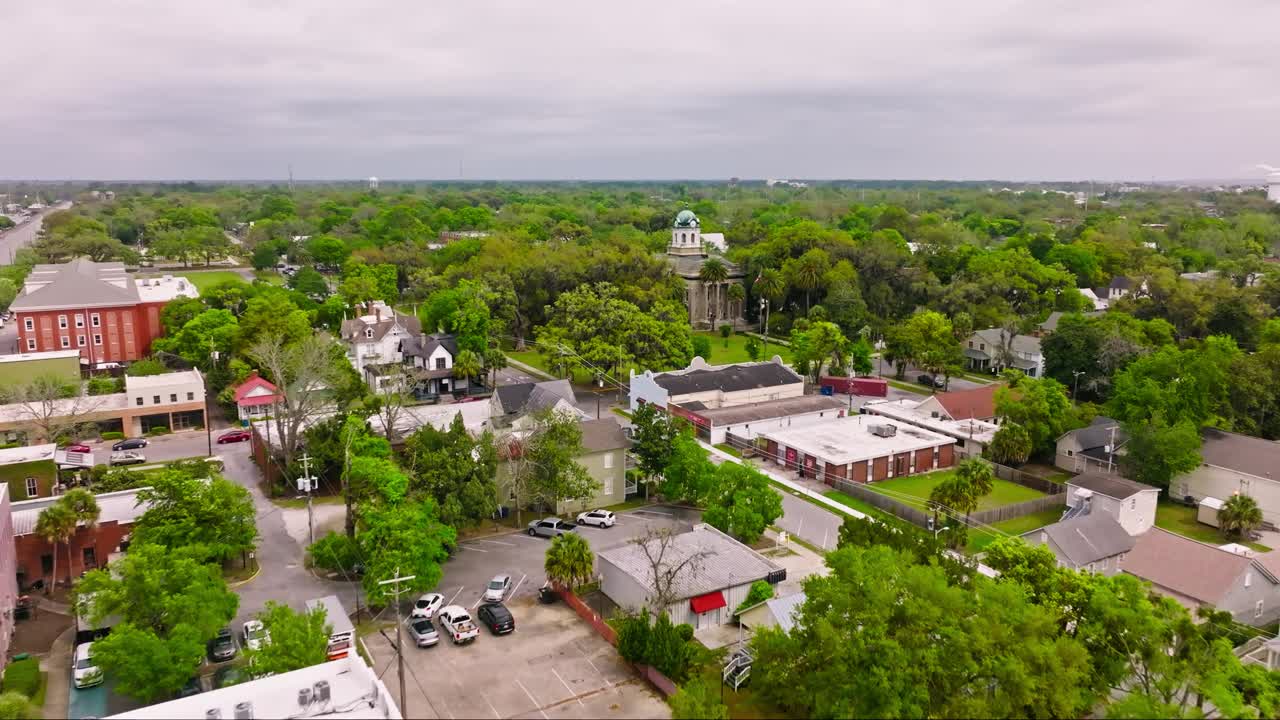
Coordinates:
column 604, row 455
column 709, row 304
column 1235, row 463
column 706, row 387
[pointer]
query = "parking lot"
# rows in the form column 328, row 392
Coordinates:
column 553, row 666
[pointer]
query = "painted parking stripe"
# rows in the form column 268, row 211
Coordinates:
column 475, row 549
column 455, row 595
column 517, row 587
column 495, row 542
column 486, row 702
column 536, row 704
column 566, row 687
column 651, row 512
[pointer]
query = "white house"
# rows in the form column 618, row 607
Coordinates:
column 1130, row 503
column 1095, row 448
column 375, row 337
column 1235, row 463
column 432, row 358
column 994, row 349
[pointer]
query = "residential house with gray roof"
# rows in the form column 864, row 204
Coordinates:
column 1094, row 448
column 1233, row 463
column 375, row 339
column 994, row 349
column 1093, row 542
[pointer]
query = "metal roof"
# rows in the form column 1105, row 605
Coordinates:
column 121, row 507
column 80, row 283
column 784, row 609
column 1087, row 538
column 727, row 563
column 766, row 410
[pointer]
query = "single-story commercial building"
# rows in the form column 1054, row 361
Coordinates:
column 704, row 593
column 22, row 368
column 29, row 472
column 716, row 386
column 972, row 436
column 171, row 400
column 1235, row 463
column 1094, row 542
column 744, row 422
column 862, row 448
column 89, row 548
column 1130, row 503
column 1095, row 448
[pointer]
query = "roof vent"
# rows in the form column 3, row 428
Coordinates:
column 304, row 697
column 322, row 692
column 884, row 431
column 213, row 714
column 244, row 711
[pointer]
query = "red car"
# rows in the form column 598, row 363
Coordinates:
column 233, row 436
column 79, row 448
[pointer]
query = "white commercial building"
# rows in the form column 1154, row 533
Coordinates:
column 862, row 448
column 345, row 688
column 971, row 436
column 739, row 424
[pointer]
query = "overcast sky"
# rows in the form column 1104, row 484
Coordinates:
column 234, row 89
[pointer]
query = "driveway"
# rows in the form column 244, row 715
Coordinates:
column 553, row 665
column 177, row 446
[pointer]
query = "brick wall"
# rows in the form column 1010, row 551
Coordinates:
column 104, row 539
column 125, row 331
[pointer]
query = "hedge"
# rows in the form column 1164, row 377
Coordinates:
column 158, row 430
column 23, row 676
column 112, row 435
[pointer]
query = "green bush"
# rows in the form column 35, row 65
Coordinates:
column 685, row 631
column 112, row 435
column 23, row 676
column 667, row 652
column 6, row 446
column 158, row 430
column 702, row 347
column 335, row 552
column 105, row 385
column 633, row 638
column 697, row 701
column 16, row 706
column 759, row 592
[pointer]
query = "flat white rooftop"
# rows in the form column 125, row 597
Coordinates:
column 163, row 380
column 47, row 355
column 345, row 688
column 32, row 453
column 851, row 439
column 164, row 289
column 905, row 410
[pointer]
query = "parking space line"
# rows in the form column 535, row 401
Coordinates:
column 455, row 595
column 486, row 702
column 566, row 687
column 496, row 542
column 651, row 512
column 473, row 549
column 536, row 704
column 517, row 587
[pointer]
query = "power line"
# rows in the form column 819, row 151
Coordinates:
column 399, row 630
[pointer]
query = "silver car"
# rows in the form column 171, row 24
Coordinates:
column 551, row 527
column 423, row 632
column 497, row 588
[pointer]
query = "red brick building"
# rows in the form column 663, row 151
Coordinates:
column 96, row 308
column 90, row 547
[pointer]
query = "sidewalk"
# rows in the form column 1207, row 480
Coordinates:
column 57, row 668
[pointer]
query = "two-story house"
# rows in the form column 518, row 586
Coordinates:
column 432, row 357
column 1130, row 503
column 994, row 349
column 375, row 338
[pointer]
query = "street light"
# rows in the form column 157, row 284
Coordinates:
column 1075, row 383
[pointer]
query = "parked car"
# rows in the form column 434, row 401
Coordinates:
column 86, row 674
column 193, row 687
column 551, row 527
column 455, row 621
column 79, row 447
column 599, row 518
column 497, row 618
column 931, row 381
column 253, row 635
column 130, row 444
column 233, row 436
column 223, row 646
column 128, row 458
column 497, row 588
column 423, row 632
column 426, row 606
column 229, row 675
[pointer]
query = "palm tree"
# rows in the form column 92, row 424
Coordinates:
column 712, row 274
column 467, row 364
column 1239, row 516
column 84, row 506
column 494, row 360
column 952, row 496
column 978, row 480
column 808, row 271
column 737, row 294
column 570, row 561
column 771, row 287
column 56, row 524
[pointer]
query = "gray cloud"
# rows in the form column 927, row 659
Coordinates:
column 572, row 89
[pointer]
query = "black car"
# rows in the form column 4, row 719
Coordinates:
column 497, row 617
column 223, row 646
column 931, row 381
column 130, row 444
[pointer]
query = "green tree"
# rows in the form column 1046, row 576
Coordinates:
column 666, row 651
column 821, row 343
column 328, row 250
column 807, row 272
column 15, row 705
column 1011, row 445
column 8, row 293
column 212, row 516
column 753, row 348
column 702, row 346
column 1239, row 516
column 56, row 525
column 742, row 502
column 737, row 294
column 696, row 701
column 403, row 538
column 212, row 331
column 713, row 275
column 296, row 640
column 547, row 465
column 952, row 496
column 570, row 561
column 653, row 435
column 146, row 366
column 688, row 476
column 178, row 312
column 455, row 468
column 1157, row 452
column 170, row 603
column 759, row 592
column 309, row 282
column 1040, row 406
column 467, row 364
column 175, row 245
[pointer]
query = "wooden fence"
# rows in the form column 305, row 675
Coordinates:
column 912, row 515
column 1008, row 512
column 919, row 516
column 1026, row 479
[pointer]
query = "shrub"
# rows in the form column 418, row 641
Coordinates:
column 696, row 701
column 666, row 652
column 335, row 552
column 23, row 676
column 702, row 346
column 16, row 706
column 685, row 631
column 759, row 592
column 158, row 430
column 633, row 638
column 112, row 435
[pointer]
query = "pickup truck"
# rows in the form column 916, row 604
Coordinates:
column 551, row 527
column 455, row 621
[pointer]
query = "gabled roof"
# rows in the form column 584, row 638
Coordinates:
column 1020, row 343
column 976, row 403
column 528, row 397
column 1241, row 453
column 1087, row 538
column 1113, row 486
column 731, row 378
column 1098, row 433
column 724, row 562
column 255, row 382
column 354, row 328
column 1193, row 569
column 423, row 345
column 603, row 434
column 79, row 283
column 784, row 609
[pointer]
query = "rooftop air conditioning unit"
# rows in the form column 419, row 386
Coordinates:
column 244, row 711
column 884, row 431
column 213, row 714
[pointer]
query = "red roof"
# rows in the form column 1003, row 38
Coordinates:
column 253, row 382
column 978, row 403
column 707, row 603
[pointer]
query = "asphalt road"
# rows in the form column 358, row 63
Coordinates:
column 22, row 235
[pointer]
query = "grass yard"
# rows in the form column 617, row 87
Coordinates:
column 1181, row 519
column 978, row 541
column 729, row 449
column 863, row 507
column 919, row 486
column 204, row 279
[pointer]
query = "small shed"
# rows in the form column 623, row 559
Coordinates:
column 254, row 397
column 1208, row 511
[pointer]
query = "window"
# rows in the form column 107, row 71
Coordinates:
column 79, row 341
column 970, row 344
column 1133, row 503
column 1257, row 609
column 29, row 324
column 173, row 397
column 1070, row 453
column 79, row 321
column 66, row 342
column 139, row 400
column 31, row 343
column 96, row 321
column 982, row 346
column 46, row 564
column 1120, row 559
column 62, row 322
column 440, row 364
column 191, row 396
column 97, row 339
column 1089, row 567
column 608, row 461
column 368, row 332
column 33, row 487
column 155, row 399
column 90, row 558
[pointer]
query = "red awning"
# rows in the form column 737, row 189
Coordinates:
column 707, row 603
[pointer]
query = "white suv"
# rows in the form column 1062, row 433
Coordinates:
column 86, row 673
column 599, row 518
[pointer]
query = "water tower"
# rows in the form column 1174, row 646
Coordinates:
column 373, row 183
column 1273, row 183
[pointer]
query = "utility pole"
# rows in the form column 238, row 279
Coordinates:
column 1075, row 384
column 310, row 481
column 404, row 712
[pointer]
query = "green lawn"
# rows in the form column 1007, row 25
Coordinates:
column 1181, row 519
column 861, row 506
column 731, row 450
column 204, row 279
column 978, row 541
column 918, row 486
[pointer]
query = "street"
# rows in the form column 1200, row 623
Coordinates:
column 16, row 238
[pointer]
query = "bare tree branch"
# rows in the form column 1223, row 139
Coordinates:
column 666, row 571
